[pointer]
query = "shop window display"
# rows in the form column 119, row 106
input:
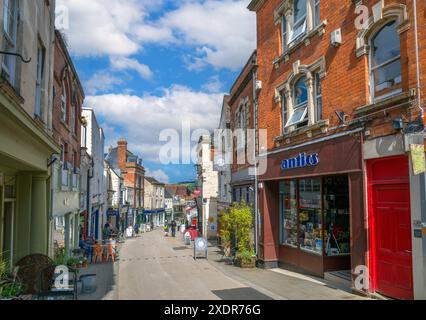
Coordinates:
column 288, row 209
column 310, row 220
column 336, row 212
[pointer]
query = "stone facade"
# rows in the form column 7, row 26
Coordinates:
column 26, row 143
column 208, row 180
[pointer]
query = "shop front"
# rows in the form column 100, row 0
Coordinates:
column 311, row 204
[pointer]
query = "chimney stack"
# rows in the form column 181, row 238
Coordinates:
column 122, row 154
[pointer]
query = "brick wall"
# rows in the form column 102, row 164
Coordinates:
column 63, row 132
column 241, row 90
column 346, row 83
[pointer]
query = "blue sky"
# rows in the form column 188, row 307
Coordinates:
column 148, row 65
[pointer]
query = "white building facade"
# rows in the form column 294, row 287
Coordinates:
column 208, row 180
column 98, row 196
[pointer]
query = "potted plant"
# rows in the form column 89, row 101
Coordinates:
column 10, row 286
column 73, row 263
column 246, row 259
column 85, row 263
column 239, row 224
column 225, row 233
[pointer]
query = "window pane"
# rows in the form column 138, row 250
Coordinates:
column 298, row 116
column 288, row 207
column 318, row 93
column 310, row 236
column 387, row 78
column 284, row 33
column 336, row 209
column 385, row 45
column 300, row 92
column 298, row 30
column 317, row 13
column 299, row 10
column 284, row 109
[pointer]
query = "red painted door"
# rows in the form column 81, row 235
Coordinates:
column 391, row 219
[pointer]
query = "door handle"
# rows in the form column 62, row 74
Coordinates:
column 408, row 251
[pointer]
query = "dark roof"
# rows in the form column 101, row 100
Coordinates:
column 153, row 180
column 168, row 195
column 112, row 157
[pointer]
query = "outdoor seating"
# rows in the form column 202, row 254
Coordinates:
column 30, row 269
column 47, row 289
column 97, row 253
column 110, row 252
column 37, row 273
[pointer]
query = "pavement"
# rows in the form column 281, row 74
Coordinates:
column 154, row 267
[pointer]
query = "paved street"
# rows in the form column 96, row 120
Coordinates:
column 156, row 268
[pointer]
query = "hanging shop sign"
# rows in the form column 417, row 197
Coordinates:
column 418, row 158
column 303, row 160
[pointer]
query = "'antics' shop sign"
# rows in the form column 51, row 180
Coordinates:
column 303, row 160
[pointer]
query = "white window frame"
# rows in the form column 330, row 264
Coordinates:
column 284, row 33
column 39, row 79
column 372, row 69
column 318, row 98
column 64, row 101
column 301, row 107
column 316, row 13
column 299, row 27
column 284, row 110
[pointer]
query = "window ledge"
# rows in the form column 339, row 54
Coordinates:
column 319, row 29
column 320, row 125
column 385, row 102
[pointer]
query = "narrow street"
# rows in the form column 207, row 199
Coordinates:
column 153, row 267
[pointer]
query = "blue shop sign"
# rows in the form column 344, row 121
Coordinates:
column 113, row 213
column 303, row 160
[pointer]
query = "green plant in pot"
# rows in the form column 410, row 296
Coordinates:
column 10, row 286
column 246, row 259
column 225, row 232
column 241, row 224
column 73, row 262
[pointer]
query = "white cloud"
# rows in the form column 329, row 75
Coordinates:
column 141, row 119
column 224, row 31
column 221, row 32
column 159, row 175
column 123, row 63
column 103, row 27
column 101, row 81
column 213, row 85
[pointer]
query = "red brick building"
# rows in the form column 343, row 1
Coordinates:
column 133, row 173
column 68, row 97
column 242, row 107
column 340, row 102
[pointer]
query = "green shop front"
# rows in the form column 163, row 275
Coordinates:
column 311, row 203
column 25, row 150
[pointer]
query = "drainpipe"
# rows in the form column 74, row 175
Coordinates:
column 422, row 177
column 256, row 191
column 416, row 37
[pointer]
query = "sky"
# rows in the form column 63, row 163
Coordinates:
column 149, row 65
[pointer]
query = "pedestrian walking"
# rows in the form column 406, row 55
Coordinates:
column 173, row 226
column 136, row 229
column 166, row 230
